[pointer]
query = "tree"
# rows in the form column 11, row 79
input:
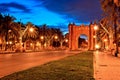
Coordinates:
column 8, row 26
column 111, row 10
column 30, row 32
column 49, row 35
column 104, row 32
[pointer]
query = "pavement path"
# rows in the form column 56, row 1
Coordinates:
column 106, row 66
column 14, row 62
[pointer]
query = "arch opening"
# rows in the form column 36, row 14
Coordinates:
column 83, row 41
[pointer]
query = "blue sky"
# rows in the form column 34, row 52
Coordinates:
column 53, row 12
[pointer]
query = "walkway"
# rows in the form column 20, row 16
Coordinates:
column 106, row 66
column 14, row 62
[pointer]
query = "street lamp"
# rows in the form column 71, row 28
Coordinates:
column 10, row 42
column 56, row 37
column 95, row 40
column 6, row 42
column 95, row 27
column 22, row 32
column 66, row 40
column 31, row 29
column 105, row 41
column 97, row 46
column 42, row 41
column 42, row 37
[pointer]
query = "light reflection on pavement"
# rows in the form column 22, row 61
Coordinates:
column 106, row 66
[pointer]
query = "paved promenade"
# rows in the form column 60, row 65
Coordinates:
column 14, row 62
column 106, row 66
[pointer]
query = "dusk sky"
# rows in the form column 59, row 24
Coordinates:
column 52, row 12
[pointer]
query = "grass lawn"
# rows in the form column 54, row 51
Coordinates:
column 77, row 67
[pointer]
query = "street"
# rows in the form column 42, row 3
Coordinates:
column 10, row 63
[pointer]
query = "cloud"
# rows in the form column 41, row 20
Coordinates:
column 6, row 7
column 79, row 10
column 62, row 27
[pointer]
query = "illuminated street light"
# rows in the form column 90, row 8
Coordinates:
column 10, row 42
column 6, row 42
column 66, row 43
column 31, row 29
column 56, row 37
column 105, row 40
column 22, row 34
column 37, row 44
column 42, row 41
column 97, row 46
column 95, row 27
column 9, row 31
column 42, row 37
column 66, row 40
column 31, row 44
column 95, row 36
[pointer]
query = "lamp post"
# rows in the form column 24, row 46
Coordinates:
column 66, row 42
column 56, row 37
column 95, row 27
column 22, row 32
column 31, row 29
column 42, row 37
column 96, row 46
column 105, row 45
column 42, row 41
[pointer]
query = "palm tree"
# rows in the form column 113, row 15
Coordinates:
column 7, row 25
column 30, row 33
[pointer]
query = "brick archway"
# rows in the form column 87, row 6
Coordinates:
column 75, row 31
